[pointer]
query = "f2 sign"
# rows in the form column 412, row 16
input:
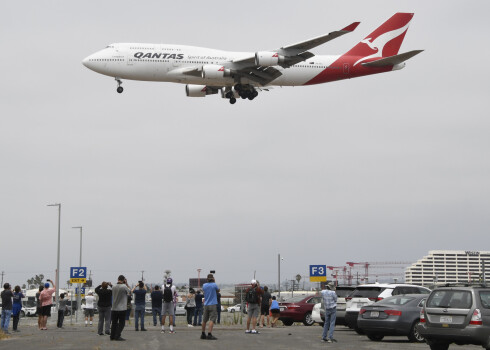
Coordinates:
column 318, row 273
column 78, row 275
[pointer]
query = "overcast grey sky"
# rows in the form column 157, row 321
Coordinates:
column 380, row 168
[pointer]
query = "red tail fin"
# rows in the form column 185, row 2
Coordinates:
column 385, row 41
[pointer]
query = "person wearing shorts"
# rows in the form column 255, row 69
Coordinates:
column 169, row 301
column 89, row 308
column 46, row 298
column 39, row 307
column 275, row 311
column 253, row 306
column 210, row 307
column 264, row 307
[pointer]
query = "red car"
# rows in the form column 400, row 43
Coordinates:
column 298, row 309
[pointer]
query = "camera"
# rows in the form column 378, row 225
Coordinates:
column 212, row 271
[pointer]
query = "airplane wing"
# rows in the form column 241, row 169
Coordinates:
column 290, row 55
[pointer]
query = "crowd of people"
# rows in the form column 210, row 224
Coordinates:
column 114, row 304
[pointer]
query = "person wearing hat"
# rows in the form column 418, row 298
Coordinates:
column 89, row 308
column 330, row 301
column 169, row 302
column 253, row 298
column 46, row 298
column 211, row 291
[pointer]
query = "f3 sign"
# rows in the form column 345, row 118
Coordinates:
column 318, row 273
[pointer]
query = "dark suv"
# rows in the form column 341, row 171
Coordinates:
column 456, row 314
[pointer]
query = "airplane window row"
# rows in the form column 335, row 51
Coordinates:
column 140, row 60
column 105, row 60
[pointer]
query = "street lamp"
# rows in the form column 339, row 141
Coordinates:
column 279, row 276
column 79, row 300
column 199, row 278
column 57, row 278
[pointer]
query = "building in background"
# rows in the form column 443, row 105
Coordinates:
column 448, row 266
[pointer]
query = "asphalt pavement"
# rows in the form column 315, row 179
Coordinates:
column 229, row 337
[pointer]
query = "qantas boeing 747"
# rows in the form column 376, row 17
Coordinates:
column 238, row 74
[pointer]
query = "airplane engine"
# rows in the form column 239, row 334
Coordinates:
column 213, row 71
column 265, row 58
column 198, row 90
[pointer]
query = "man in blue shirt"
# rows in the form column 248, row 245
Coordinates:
column 210, row 307
column 139, row 292
column 330, row 301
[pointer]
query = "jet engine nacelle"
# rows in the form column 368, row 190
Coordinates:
column 197, row 90
column 265, row 58
column 213, row 71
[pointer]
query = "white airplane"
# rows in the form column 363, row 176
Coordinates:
column 238, row 74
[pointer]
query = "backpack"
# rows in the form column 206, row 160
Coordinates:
column 251, row 296
column 167, row 294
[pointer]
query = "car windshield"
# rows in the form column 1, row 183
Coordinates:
column 397, row 300
column 367, row 292
column 456, row 299
column 342, row 293
column 485, row 299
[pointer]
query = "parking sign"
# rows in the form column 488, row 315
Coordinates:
column 78, row 275
column 318, row 273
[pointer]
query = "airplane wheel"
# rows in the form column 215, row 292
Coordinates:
column 255, row 93
column 232, row 100
column 120, row 89
column 229, row 94
column 251, row 97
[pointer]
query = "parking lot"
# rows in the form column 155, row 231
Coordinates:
column 229, row 337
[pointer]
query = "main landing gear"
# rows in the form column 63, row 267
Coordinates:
column 119, row 87
column 244, row 91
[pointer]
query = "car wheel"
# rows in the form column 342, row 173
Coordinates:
column 22, row 313
column 414, row 335
column 232, row 310
column 375, row 337
column 308, row 320
column 288, row 322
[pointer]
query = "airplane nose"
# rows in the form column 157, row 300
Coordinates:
column 86, row 61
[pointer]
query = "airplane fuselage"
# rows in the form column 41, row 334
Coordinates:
column 167, row 63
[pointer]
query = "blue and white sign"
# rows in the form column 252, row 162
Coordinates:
column 78, row 275
column 318, row 273
column 83, row 290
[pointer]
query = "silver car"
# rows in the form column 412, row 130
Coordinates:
column 458, row 315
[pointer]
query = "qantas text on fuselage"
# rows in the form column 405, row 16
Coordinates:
column 240, row 74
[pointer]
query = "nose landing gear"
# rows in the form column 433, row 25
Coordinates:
column 119, row 87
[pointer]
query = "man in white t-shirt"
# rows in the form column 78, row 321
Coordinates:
column 89, row 307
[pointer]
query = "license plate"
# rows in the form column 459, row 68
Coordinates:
column 446, row 319
column 281, row 309
column 374, row 313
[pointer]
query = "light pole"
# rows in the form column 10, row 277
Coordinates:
column 279, row 276
column 199, row 278
column 57, row 278
column 79, row 300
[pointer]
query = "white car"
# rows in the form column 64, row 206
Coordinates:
column 368, row 294
column 236, row 308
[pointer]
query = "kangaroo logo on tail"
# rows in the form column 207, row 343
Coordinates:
column 379, row 43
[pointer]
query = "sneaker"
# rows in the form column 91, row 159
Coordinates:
column 255, row 331
column 136, row 329
column 211, row 337
column 101, row 333
column 163, row 331
column 324, row 340
column 329, row 341
column 172, row 332
column 332, row 340
column 108, row 333
column 189, row 325
column 248, row 331
column 203, row 336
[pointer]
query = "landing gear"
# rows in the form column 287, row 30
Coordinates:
column 119, row 87
column 244, row 91
column 233, row 100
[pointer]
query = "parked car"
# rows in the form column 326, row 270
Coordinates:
column 180, row 309
column 368, row 294
column 318, row 312
column 458, row 315
column 397, row 315
column 236, row 308
column 148, row 308
column 298, row 309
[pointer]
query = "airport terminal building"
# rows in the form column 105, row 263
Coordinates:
column 448, row 266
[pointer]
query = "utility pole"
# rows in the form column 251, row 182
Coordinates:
column 142, row 277
column 3, row 273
